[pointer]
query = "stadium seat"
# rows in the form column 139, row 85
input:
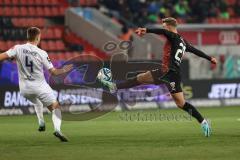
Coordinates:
column 47, row 11
column 31, row 2
column 61, row 57
column 15, row 2
column 15, row 11
column 10, row 44
column 8, row 11
column 17, row 15
column 60, row 45
column 3, row 46
column 46, row 2
column 53, row 56
column 24, row 2
column 82, row 2
column 39, row 11
column 22, row 22
column 61, row 11
column 44, row 45
column 57, row 33
column 55, row 11
column 7, row 2
column 23, row 11
column 52, row 46
column 1, row 12
column 31, row 11
column 50, row 34
column 15, row 21
column 54, row 2
column 40, row 22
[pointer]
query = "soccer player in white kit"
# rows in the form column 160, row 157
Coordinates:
column 32, row 84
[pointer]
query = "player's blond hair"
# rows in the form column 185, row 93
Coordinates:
column 170, row 21
column 33, row 33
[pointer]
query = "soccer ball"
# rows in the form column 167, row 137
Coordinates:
column 105, row 74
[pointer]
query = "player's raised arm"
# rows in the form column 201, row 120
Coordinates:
column 4, row 56
column 52, row 70
column 65, row 69
column 142, row 31
column 190, row 48
column 169, row 28
column 158, row 31
column 8, row 54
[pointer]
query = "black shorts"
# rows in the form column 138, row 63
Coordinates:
column 171, row 79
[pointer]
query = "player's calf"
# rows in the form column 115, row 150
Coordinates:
column 129, row 83
column 57, row 121
column 191, row 110
column 143, row 78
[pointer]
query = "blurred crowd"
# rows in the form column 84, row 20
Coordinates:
column 142, row 12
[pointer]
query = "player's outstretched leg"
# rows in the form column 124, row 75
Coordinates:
column 143, row 78
column 190, row 109
column 57, row 121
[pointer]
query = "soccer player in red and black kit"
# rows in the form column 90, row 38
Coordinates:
column 169, row 73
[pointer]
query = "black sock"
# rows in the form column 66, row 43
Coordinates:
column 131, row 82
column 193, row 112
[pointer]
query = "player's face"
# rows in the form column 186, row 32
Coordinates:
column 167, row 27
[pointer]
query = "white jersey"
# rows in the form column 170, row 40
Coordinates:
column 30, row 61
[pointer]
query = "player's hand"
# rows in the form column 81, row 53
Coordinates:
column 67, row 68
column 141, row 31
column 214, row 60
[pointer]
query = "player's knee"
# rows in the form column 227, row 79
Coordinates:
column 53, row 106
column 180, row 103
column 144, row 78
column 140, row 78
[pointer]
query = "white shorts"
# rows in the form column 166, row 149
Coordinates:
column 43, row 93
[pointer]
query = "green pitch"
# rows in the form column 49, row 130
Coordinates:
column 111, row 137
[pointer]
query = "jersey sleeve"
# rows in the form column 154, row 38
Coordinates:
column 12, row 52
column 46, row 61
column 191, row 49
column 169, row 35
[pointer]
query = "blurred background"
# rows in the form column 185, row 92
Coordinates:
column 72, row 28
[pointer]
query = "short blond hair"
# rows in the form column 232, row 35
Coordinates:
column 170, row 21
column 33, row 33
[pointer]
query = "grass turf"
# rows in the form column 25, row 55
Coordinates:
column 111, row 138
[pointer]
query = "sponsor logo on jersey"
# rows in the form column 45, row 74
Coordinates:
column 49, row 60
column 173, row 85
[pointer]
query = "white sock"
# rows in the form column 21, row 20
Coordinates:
column 204, row 121
column 39, row 112
column 57, row 119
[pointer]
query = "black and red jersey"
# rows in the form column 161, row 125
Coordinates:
column 174, row 50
